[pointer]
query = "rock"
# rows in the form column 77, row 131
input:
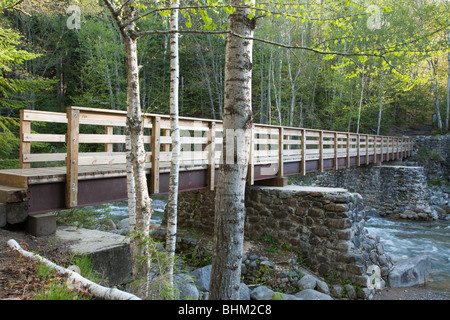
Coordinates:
column 244, row 292
column 322, row 286
column 307, row 282
column 350, row 292
column 186, row 287
column 310, row 294
column 336, row 291
column 202, row 277
column 411, row 271
column 282, row 296
column 260, row 292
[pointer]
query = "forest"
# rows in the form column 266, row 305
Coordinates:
column 373, row 67
column 378, row 67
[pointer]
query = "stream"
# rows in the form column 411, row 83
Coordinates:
column 406, row 239
column 401, row 239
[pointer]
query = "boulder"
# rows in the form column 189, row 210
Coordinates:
column 202, row 277
column 410, row 272
column 261, row 292
column 307, row 282
column 310, row 294
column 244, row 292
column 186, row 287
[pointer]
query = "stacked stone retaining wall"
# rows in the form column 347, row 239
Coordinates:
column 324, row 225
column 397, row 191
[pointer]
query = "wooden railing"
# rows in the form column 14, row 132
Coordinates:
column 272, row 147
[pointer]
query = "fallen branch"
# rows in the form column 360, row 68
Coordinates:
column 75, row 280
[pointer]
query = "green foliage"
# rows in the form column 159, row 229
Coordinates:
column 424, row 155
column 160, row 285
column 55, row 287
column 198, row 258
column 86, row 217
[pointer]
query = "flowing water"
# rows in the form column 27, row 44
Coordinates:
column 120, row 209
column 401, row 239
column 407, row 239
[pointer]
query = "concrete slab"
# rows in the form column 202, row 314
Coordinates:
column 110, row 253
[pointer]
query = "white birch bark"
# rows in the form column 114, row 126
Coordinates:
column 75, row 280
column 361, row 98
column 140, row 262
column 172, row 202
column 230, row 193
column 380, row 108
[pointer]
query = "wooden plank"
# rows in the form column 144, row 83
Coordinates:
column 36, row 137
column 25, row 147
column 44, row 116
column 73, row 130
column 156, row 145
column 43, row 157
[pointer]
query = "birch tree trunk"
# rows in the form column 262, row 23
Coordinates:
column 174, row 169
column 237, row 123
column 381, row 103
column 140, row 218
column 361, row 98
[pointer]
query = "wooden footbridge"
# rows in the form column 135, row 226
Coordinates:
column 76, row 178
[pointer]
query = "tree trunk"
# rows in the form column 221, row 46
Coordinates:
column 237, row 124
column 381, row 103
column 174, row 169
column 361, row 99
column 436, row 98
column 141, row 202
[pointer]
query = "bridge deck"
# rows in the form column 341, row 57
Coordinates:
column 98, row 177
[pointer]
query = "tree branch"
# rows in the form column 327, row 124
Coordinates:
column 13, row 7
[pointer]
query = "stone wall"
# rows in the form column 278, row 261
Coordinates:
column 397, row 191
column 433, row 153
column 325, row 225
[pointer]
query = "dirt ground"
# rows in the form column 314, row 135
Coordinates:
column 18, row 280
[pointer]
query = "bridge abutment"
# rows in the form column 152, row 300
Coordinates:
column 324, row 225
column 390, row 190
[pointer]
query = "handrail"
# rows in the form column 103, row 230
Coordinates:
column 272, row 147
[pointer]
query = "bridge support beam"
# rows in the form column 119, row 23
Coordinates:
column 274, row 182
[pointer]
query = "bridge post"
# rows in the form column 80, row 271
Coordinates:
column 367, row 149
column 336, row 164
column 321, row 151
column 25, row 147
column 348, row 150
column 303, row 161
column 280, row 152
column 72, row 141
column 211, row 155
column 109, row 131
column 156, row 146
column 358, row 153
column 251, row 166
